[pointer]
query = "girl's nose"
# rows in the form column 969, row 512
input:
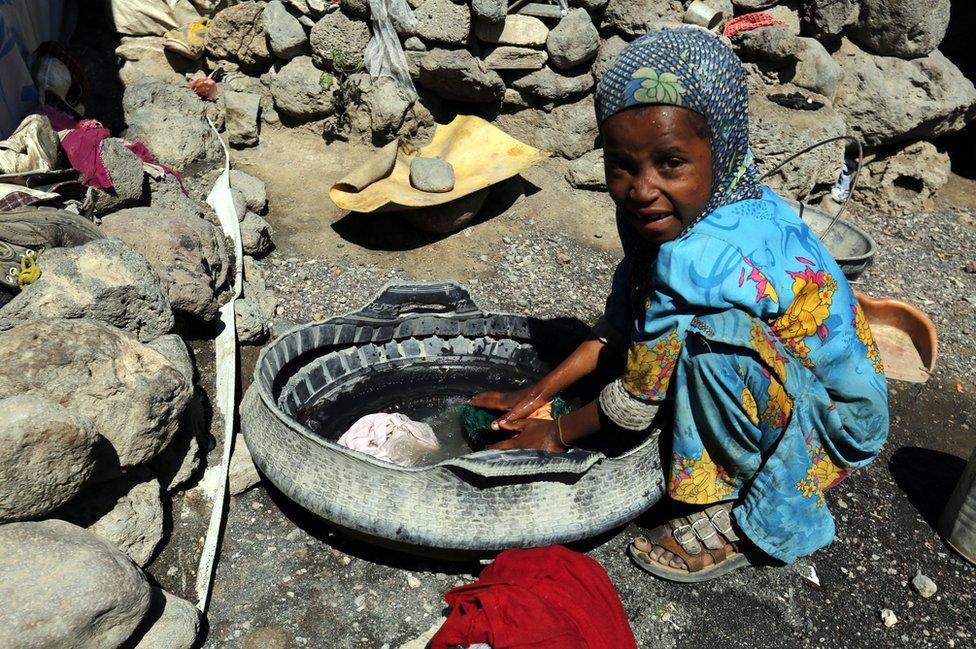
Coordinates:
column 645, row 189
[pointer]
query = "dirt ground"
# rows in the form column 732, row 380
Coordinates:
column 284, row 579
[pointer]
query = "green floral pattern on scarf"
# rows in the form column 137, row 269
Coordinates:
column 663, row 88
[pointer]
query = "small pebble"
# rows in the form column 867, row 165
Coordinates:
column 923, row 585
column 888, row 617
column 507, row 241
column 413, row 582
column 970, row 267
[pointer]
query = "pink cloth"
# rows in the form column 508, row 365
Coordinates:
column 83, row 146
column 391, row 437
column 754, row 20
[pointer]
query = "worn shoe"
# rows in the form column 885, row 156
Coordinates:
column 189, row 40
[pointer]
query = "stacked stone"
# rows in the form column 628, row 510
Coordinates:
column 873, row 65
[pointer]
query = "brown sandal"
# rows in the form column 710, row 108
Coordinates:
column 702, row 536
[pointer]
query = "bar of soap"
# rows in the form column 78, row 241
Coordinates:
column 431, row 175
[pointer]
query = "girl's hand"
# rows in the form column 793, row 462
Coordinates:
column 516, row 405
column 540, row 434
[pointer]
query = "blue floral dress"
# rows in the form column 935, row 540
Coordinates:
column 748, row 325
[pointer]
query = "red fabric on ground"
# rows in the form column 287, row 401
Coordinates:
column 754, row 20
column 542, row 598
column 83, row 146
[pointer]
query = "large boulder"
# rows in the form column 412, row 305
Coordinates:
column 777, row 132
column 237, row 33
column 905, row 28
column 493, row 11
column 252, row 188
column 568, row 130
column 172, row 121
column 510, row 57
column 574, row 41
column 637, row 17
column 338, row 42
column 773, row 44
column 302, row 91
column 145, row 58
column 255, row 310
column 127, row 512
column 256, row 235
column 173, row 623
column 104, row 280
column 47, row 453
column 241, row 118
column 586, row 172
column 130, row 393
column 607, row 55
column 905, row 179
column 459, row 76
column 183, row 249
column 552, row 85
column 443, row 21
column 518, row 30
column 63, row 586
column 887, row 99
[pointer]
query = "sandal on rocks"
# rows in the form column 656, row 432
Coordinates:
column 702, row 546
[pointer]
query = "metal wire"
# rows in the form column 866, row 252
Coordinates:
column 857, row 172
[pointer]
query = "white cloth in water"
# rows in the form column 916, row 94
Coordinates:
column 391, row 437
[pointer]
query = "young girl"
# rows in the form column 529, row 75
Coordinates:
column 727, row 306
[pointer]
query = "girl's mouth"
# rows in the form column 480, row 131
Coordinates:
column 651, row 217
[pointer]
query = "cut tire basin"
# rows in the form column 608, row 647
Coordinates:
column 427, row 340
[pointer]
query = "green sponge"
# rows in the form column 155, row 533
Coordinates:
column 476, row 423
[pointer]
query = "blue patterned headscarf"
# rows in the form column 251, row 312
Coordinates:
column 691, row 68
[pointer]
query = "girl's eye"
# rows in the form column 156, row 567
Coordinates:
column 673, row 163
column 615, row 165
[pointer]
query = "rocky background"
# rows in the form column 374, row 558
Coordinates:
column 104, row 414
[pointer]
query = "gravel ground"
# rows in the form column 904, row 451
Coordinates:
column 285, row 580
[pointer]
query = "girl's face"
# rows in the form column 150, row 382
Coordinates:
column 658, row 163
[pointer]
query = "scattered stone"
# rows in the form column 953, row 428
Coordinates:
column 63, row 586
column 509, row 57
column 47, row 453
column 256, row 235
column 131, row 394
column 777, row 132
column 173, row 623
column 905, row 179
column 413, row 582
column 104, row 280
column 126, row 171
column 513, row 97
column 459, row 76
column 827, row 19
column 569, row 130
column 187, row 142
column 182, row 249
column 443, row 21
column 237, row 33
column 302, row 91
column 900, row 27
column 923, row 585
column 815, row 69
column 550, row 84
column 252, row 188
column 888, row 617
column 254, row 311
column 448, row 217
column 286, row 36
column 242, row 118
column 414, row 44
column 524, row 31
column 242, row 474
column 127, row 512
column 431, row 175
column 637, row 17
column 574, row 41
column 338, row 43
column 887, row 99
column 586, row 172
column 606, row 55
